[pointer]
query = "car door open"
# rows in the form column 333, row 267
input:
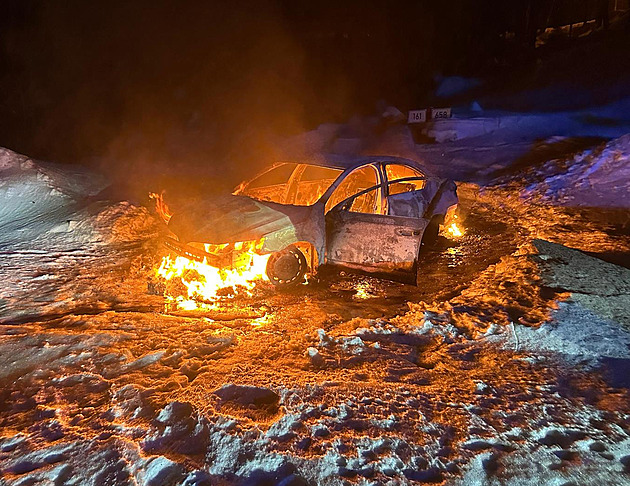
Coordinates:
column 383, row 245
column 433, row 197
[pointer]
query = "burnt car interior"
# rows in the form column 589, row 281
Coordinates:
column 304, row 184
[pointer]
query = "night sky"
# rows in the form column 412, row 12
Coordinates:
column 180, row 84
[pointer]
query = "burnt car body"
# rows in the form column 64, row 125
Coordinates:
column 367, row 214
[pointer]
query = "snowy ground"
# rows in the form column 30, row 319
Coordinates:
column 514, row 372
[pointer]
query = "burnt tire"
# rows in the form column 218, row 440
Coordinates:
column 286, row 268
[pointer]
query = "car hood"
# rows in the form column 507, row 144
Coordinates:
column 230, row 218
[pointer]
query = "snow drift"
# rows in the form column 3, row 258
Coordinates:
column 597, row 177
column 39, row 197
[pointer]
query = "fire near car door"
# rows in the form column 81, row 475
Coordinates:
column 383, row 245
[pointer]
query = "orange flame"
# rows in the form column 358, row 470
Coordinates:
column 160, row 206
column 204, row 284
column 452, row 226
column 454, row 231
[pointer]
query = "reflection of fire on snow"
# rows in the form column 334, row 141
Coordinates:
column 455, row 257
column 363, row 290
column 204, row 283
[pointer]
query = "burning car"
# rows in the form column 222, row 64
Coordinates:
column 366, row 214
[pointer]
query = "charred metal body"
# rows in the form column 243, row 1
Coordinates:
column 366, row 214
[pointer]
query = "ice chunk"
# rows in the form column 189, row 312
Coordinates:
column 161, row 471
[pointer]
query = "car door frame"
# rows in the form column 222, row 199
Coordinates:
column 431, row 193
column 390, row 252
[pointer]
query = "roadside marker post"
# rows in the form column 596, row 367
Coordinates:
column 422, row 116
column 417, row 116
column 440, row 113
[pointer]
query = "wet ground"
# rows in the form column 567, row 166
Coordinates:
column 457, row 262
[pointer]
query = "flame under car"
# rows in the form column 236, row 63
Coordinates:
column 369, row 214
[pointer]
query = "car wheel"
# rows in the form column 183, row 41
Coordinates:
column 287, row 268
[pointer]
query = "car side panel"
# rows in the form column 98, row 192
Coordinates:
column 383, row 245
column 412, row 204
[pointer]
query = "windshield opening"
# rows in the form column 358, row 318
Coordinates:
column 290, row 183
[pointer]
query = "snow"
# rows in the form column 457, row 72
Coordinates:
column 596, row 177
column 284, row 428
column 173, row 412
column 471, row 146
column 247, row 396
column 160, row 471
column 515, row 376
column 578, row 335
column 38, row 198
column 544, row 466
column 10, row 444
column 197, row 478
column 314, row 356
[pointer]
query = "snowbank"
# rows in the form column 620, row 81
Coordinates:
column 608, row 121
column 54, row 236
column 468, row 146
column 57, row 204
column 597, row 177
column 38, row 198
column 544, row 298
column 593, row 323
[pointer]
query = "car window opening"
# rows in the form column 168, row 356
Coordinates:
column 366, row 199
column 357, row 181
column 395, row 172
column 313, row 183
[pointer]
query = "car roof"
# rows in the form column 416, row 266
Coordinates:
column 343, row 162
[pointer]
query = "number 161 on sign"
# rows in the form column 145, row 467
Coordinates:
column 417, row 116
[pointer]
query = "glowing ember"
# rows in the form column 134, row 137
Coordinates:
column 204, row 284
column 362, row 290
